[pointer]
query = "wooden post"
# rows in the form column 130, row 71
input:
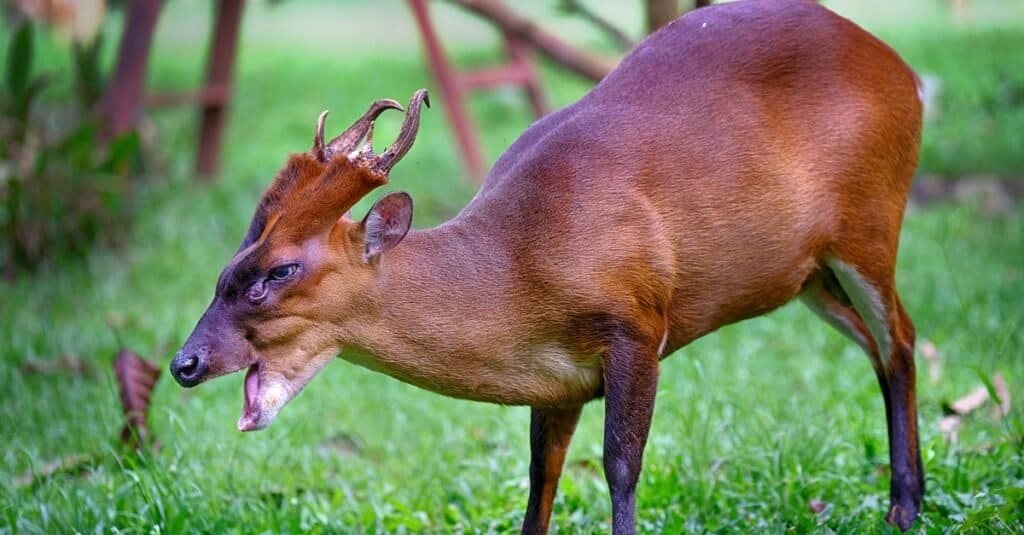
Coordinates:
column 218, row 85
column 452, row 92
column 660, row 13
column 576, row 60
column 521, row 55
column 122, row 100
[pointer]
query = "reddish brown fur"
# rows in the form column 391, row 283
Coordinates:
column 307, row 196
column 733, row 161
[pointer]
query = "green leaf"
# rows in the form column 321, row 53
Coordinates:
column 79, row 147
column 123, row 153
column 19, row 60
column 89, row 81
column 987, row 381
column 1012, row 494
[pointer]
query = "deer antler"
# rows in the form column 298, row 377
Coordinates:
column 318, row 138
column 346, row 141
column 407, row 135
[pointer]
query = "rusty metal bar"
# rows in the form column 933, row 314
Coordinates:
column 218, row 79
column 120, row 105
column 493, row 77
column 452, row 92
column 455, row 85
column 660, row 13
column 521, row 55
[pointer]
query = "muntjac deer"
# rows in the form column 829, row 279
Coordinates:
column 744, row 155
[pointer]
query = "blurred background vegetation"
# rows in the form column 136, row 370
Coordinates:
column 753, row 423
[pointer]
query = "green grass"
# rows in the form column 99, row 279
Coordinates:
column 977, row 124
column 751, row 422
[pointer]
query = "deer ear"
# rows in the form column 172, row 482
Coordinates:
column 386, row 224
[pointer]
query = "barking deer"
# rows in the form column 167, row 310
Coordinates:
column 745, row 155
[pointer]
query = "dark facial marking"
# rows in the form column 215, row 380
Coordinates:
column 240, row 274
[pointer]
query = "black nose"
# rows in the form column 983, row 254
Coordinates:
column 188, row 369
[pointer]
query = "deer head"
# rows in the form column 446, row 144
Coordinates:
column 301, row 267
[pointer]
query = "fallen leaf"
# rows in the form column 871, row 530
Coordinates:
column 342, row 444
column 76, row 462
column 587, row 466
column 968, row 403
column 949, row 425
column 116, row 321
column 883, row 469
column 135, row 377
column 984, row 448
column 69, row 363
column 933, row 357
column 988, row 192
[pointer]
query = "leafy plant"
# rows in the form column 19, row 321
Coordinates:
column 1007, row 513
column 61, row 190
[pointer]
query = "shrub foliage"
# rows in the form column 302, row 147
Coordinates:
column 61, row 190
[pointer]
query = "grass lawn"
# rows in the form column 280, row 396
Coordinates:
column 751, row 423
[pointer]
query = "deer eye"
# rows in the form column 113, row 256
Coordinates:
column 282, row 272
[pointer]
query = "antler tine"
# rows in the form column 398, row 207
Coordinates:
column 346, row 141
column 365, row 149
column 318, row 137
column 407, row 135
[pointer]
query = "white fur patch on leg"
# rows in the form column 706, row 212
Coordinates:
column 868, row 302
column 824, row 309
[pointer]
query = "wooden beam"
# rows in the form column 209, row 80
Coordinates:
column 578, row 61
column 218, row 80
column 121, row 102
column 660, row 13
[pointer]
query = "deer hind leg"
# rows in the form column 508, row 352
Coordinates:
column 550, row 432
column 630, row 383
column 871, row 314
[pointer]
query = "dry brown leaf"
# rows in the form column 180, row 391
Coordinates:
column 135, row 378
column 67, row 363
column 340, row 444
column 78, row 20
column 974, row 399
column 970, row 402
column 933, row 357
column 75, row 462
column 949, row 425
column 587, row 466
